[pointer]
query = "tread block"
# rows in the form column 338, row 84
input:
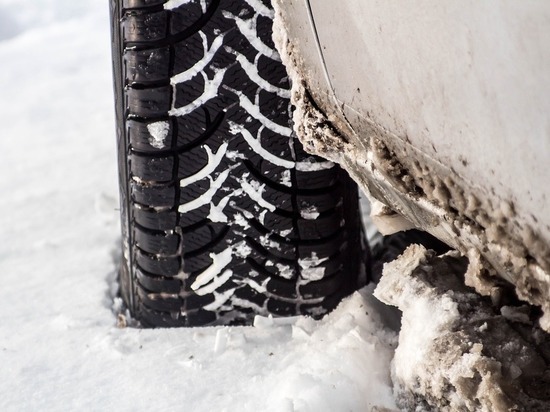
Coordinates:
column 193, row 127
column 152, row 318
column 193, row 217
column 147, row 65
column 281, row 287
column 195, row 302
column 153, row 196
column 190, row 92
column 270, row 246
column 155, row 242
column 185, row 17
column 145, row 27
column 196, row 265
column 153, row 102
column 203, row 238
column 246, row 293
column 160, row 220
column 323, row 287
column 319, row 202
column 320, row 228
column 319, row 179
column 160, row 302
column 140, row 137
column 324, row 248
column 158, row 265
column 158, row 169
column 160, row 284
column 280, row 308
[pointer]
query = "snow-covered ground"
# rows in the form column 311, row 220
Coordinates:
column 60, row 348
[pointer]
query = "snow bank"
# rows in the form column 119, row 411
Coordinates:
column 456, row 351
column 280, row 364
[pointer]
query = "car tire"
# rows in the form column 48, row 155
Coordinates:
column 224, row 215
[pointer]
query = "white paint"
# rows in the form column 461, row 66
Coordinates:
column 213, row 162
column 211, row 88
column 219, row 262
column 248, row 29
column 201, row 65
column 207, row 196
column 311, row 261
column 158, row 132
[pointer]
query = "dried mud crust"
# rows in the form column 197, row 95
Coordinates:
column 458, row 352
column 426, row 193
column 224, row 214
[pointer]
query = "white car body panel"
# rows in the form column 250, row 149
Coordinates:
column 458, row 93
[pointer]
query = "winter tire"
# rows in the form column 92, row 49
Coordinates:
column 224, row 216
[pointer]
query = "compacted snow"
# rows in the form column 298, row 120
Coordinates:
column 60, row 346
column 65, row 343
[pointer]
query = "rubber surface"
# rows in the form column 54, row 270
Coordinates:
column 224, row 215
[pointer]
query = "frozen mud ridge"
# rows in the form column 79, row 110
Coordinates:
column 457, row 352
column 416, row 191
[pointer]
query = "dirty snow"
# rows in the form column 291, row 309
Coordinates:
column 456, row 351
column 60, row 348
